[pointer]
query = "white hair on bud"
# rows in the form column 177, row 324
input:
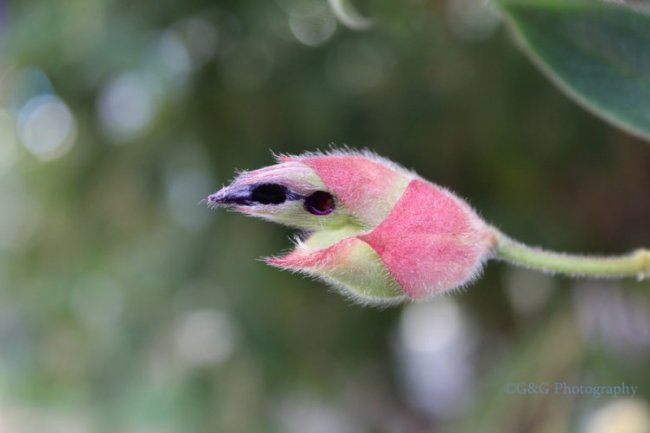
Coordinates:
column 346, row 151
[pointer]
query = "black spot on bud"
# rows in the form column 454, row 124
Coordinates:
column 320, row 203
column 269, row 193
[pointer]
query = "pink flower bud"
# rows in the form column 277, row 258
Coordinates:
column 376, row 231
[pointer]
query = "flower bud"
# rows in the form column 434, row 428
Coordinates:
column 376, row 232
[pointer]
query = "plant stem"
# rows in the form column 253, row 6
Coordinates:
column 635, row 264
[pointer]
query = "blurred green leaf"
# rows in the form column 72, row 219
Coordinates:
column 597, row 53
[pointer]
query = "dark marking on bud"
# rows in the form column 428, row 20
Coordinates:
column 269, row 193
column 320, row 203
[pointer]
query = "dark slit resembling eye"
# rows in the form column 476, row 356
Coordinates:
column 269, row 193
column 320, row 203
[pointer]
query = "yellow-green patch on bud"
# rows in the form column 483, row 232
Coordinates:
column 350, row 265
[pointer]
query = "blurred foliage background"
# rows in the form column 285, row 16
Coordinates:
column 127, row 306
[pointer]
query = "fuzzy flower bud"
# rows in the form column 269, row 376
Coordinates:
column 375, row 231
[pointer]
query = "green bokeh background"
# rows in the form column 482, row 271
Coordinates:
column 127, row 306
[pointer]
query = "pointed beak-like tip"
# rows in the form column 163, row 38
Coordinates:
column 217, row 199
column 229, row 196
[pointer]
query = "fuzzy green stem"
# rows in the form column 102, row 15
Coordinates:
column 635, row 264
